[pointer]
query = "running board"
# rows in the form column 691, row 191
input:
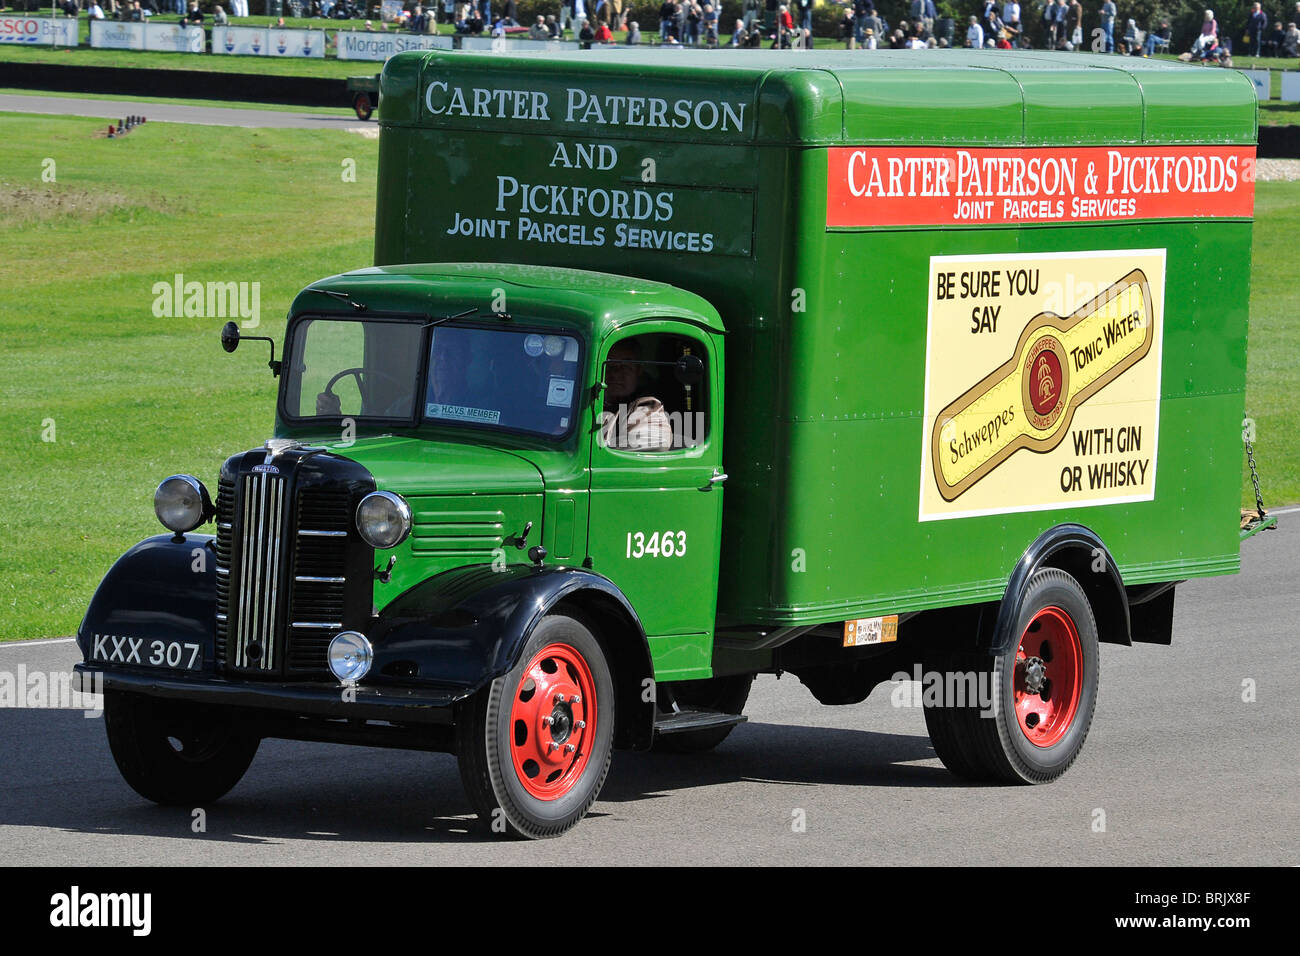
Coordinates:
column 685, row 720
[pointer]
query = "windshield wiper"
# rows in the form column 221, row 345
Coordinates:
column 448, row 318
column 344, row 296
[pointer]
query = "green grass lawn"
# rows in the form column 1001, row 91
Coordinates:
column 133, row 397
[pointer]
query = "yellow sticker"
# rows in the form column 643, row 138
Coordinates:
column 871, row 630
column 1042, row 381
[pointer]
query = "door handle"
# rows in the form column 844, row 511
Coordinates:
column 718, row 478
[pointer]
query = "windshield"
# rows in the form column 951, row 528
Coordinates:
column 516, row 379
column 349, row 368
column 511, row 379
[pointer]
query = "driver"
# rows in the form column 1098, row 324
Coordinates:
column 632, row 419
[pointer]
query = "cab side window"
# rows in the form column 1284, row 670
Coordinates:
column 648, row 406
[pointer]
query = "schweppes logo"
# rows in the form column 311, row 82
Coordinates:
column 1029, row 401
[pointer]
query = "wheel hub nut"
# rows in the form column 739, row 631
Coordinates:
column 1035, row 675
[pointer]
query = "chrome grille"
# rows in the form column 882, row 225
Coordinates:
column 225, row 534
column 320, row 576
column 255, row 609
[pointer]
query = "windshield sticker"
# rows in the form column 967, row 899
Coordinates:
column 533, row 345
column 570, row 350
column 560, row 394
column 463, row 413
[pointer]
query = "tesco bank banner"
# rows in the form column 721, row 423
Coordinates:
column 158, row 37
column 266, row 41
column 380, row 46
column 38, row 30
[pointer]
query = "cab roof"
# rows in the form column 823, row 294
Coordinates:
column 904, row 97
column 599, row 300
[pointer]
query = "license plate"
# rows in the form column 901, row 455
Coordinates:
column 871, row 630
column 139, row 651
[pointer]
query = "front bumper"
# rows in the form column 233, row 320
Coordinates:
column 423, row 705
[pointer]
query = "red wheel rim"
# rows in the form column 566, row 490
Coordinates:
column 553, row 721
column 1048, row 678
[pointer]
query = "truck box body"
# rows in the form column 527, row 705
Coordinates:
column 968, row 296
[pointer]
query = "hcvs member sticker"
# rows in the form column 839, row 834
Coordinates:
column 1042, row 381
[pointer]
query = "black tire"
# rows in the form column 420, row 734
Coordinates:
column 991, row 744
column 361, row 105
column 727, row 695
column 209, row 755
column 488, row 724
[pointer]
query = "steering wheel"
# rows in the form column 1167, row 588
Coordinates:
column 327, row 403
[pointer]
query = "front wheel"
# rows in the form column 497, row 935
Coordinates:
column 176, row 753
column 535, row 745
column 1034, row 701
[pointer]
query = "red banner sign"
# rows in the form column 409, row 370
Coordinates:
column 945, row 186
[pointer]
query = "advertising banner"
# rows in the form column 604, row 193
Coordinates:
column 268, row 41
column 380, row 46
column 1290, row 92
column 1042, row 383
column 239, row 41
column 111, row 35
column 174, row 38
column 38, row 30
column 1260, row 79
column 943, row 186
column 308, row 43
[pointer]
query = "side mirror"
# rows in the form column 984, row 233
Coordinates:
column 689, row 370
column 230, row 339
column 230, row 336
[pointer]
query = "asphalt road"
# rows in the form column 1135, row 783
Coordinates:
column 1184, row 771
column 175, row 113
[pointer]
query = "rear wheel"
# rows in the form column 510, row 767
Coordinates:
column 176, row 753
column 535, row 745
column 1037, row 697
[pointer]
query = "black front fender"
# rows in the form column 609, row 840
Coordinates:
column 161, row 589
column 468, row 626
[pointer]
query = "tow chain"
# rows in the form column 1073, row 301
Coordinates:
column 1252, row 523
column 1254, row 478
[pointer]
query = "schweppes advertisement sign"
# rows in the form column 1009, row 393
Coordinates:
column 1042, row 381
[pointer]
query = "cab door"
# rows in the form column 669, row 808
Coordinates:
column 656, row 499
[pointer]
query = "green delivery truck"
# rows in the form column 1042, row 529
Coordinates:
column 677, row 369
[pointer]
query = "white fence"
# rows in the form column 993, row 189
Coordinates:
column 164, row 37
column 268, row 41
column 33, row 31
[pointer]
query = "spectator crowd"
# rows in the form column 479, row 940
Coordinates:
column 1062, row 25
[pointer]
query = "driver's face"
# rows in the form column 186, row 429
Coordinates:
column 450, row 371
column 621, row 374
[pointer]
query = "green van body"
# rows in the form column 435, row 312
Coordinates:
column 825, row 326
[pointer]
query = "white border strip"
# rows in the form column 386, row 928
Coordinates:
column 925, row 413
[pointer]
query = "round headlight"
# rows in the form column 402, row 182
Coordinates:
column 383, row 519
column 350, row 656
column 182, row 503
